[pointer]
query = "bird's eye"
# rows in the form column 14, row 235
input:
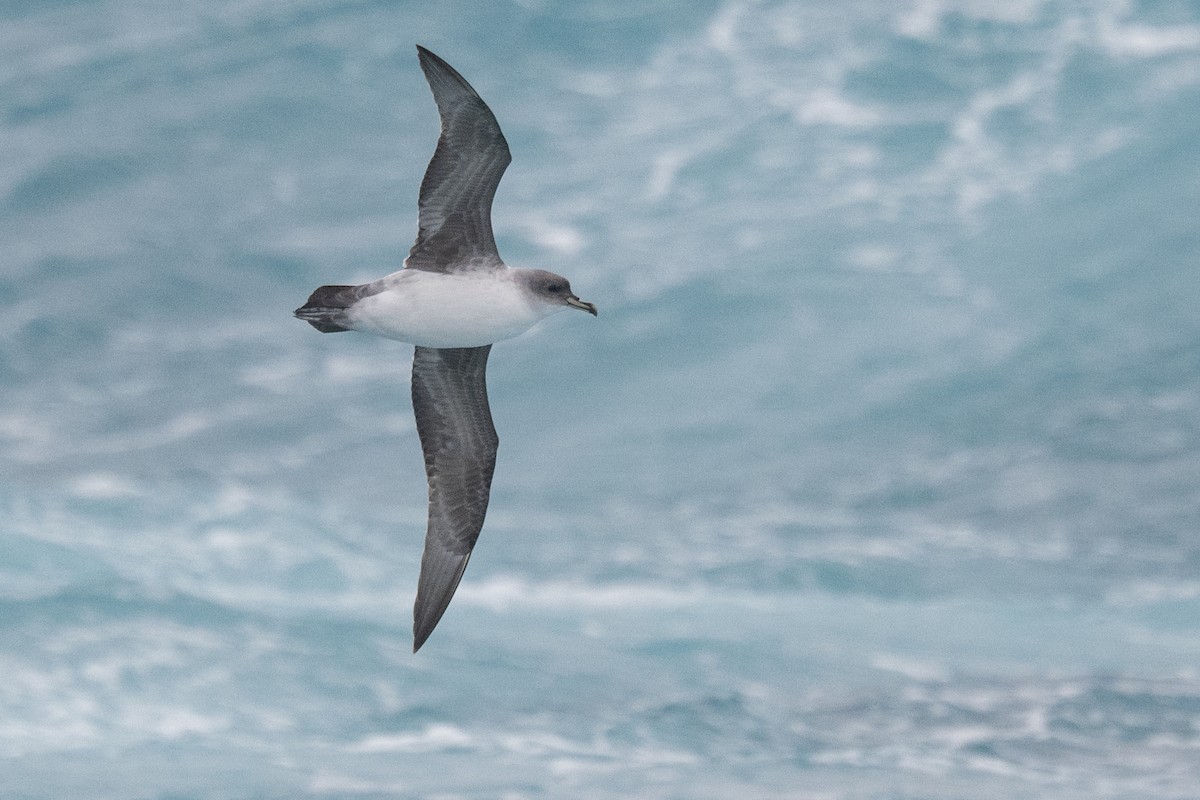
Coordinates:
column 554, row 288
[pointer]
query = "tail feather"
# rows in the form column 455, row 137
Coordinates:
column 325, row 309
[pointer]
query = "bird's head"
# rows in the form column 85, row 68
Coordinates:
column 554, row 290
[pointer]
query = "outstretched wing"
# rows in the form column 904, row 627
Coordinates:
column 449, row 391
column 460, row 182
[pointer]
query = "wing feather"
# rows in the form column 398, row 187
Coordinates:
column 456, row 194
column 454, row 422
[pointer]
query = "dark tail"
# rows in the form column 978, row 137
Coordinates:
column 326, row 307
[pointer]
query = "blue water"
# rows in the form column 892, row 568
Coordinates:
column 878, row 476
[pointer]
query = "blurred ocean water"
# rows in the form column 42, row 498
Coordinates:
column 875, row 478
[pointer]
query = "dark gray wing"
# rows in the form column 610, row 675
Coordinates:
column 449, row 391
column 460, row 182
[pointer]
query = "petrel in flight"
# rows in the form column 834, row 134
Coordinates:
column 453, row 299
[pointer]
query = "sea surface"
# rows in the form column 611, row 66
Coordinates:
column 877, row 477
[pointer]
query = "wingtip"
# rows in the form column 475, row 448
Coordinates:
column 425, row 55
column 422, row 629
column 423, row 624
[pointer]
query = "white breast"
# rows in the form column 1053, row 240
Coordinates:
column 434, row 309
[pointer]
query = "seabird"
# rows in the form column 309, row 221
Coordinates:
column 453, row 299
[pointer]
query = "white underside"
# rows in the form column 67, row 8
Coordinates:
column 434, row 309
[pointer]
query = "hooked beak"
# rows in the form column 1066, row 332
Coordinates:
column 580, row 304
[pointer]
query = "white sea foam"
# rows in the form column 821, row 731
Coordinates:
column 910, row 668
column 105, row 486
column 504, row 593
column 1135, row 40
column 433, row 738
